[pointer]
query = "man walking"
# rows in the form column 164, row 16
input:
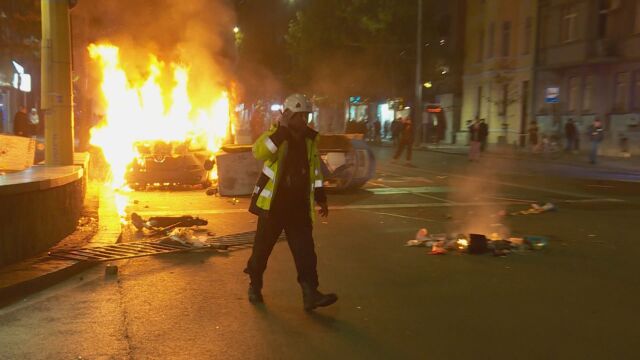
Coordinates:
column 596, row 133
column 284, row 197
column 405, row 141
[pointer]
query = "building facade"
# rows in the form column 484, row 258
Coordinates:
column 590, row 51
column 499, row 60
column 442, row 68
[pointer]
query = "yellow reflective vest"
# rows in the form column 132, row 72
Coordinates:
column 271, row 147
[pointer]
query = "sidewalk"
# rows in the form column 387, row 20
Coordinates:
column 629, row 165
column 100, row 225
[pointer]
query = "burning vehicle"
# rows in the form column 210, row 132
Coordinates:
column 169, row 163
column 157, row 128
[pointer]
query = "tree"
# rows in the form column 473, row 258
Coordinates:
column 20, row 30
column 343, row 47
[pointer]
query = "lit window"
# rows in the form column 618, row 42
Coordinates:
column 569, row 23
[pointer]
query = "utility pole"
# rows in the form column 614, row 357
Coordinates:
column 417, row 108
column 56, row 82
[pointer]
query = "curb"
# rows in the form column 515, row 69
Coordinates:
column 15, row 292
column 528, row 158
column 60, row 270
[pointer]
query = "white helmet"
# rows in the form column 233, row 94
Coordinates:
column 298, row 103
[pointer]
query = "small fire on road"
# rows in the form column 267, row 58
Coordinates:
column 155, row 106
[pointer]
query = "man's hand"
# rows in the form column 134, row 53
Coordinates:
column 324, row 209
column 285, row 120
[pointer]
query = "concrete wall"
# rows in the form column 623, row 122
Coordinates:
column 32, row 221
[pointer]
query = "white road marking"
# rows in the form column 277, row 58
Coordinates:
column 526, row 187
column 374, row 206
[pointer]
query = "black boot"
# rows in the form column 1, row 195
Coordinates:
column 255, row 295
column 313, row 298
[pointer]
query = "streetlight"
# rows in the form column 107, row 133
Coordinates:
column 428, row 84
column 236, row 30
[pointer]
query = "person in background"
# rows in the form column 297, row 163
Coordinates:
column 533, row 135
column 474, row 140
column 377, row 129
column 571, row 134
column 441, row 130
column 484, row 135
column 405, row 140
column 21, row 124
column 386, row 129
column 396, row 127
column 596, row 135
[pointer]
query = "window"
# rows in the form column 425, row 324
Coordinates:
column 506, row 38
column 505, row 100
column 569, row 30
column 604, row 7
column 492, row 31
column 528, row 26
column 574, row 88
column 543, row 30
column 636, row 90
column 587, row 93
column 621, row 102
column 636, row 22
column 479, row 102
column 480, row 45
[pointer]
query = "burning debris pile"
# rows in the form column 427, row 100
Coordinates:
column 153, row 126
column 476, row 244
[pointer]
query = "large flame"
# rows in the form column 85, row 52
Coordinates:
column 149, row 110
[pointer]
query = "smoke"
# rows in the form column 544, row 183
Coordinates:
column 197, row 33
column 480, row 185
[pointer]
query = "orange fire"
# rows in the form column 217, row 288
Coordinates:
column 146, row 109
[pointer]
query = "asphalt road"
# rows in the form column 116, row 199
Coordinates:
column 577, row 299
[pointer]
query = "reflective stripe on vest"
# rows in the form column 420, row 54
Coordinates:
column 267, row 171
column 270, row 145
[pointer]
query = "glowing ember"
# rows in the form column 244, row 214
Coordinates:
column 463, row 244
column 149, row 109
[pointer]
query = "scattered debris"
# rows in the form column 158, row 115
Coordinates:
column 536, row 209
column 186, row 237
column 476, row 244
column 111, row 270
column 163, row 224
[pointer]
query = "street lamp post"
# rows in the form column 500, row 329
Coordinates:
column 417, row 118
column 56, row 82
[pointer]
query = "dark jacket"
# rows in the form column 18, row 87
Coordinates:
column 22, row 125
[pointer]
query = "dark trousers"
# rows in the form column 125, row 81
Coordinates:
column 298, row 229
column 483, row 145
column 401, row 145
